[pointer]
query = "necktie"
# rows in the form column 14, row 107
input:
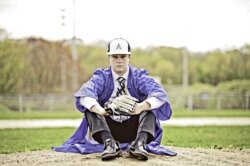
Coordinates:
column 121, row 86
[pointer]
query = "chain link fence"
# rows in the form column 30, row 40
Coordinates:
column 56, row 102
column 38, row 102
column 208, row 101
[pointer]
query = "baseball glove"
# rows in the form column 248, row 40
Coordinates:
column 122, row 105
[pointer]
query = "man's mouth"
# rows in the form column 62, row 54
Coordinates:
column 119, row 65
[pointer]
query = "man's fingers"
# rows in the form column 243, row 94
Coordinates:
column 129, row 98
column 126, row 99
column 127, row 102
column 124, row 111
column 124, row 105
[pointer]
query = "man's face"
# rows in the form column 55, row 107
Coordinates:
column 119, row 62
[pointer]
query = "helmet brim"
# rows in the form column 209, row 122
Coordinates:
column 113, row 53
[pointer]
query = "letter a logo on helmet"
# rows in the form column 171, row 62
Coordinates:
column 118, row 46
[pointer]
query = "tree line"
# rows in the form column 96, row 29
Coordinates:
column 35, row 65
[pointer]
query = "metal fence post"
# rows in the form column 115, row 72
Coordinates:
column 20, row 102
column 247, row 101
column 190, row 102
column 218, row 102
column 51, row 103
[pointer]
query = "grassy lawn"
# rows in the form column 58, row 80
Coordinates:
column 211, row 113
column 218, row 137
column 41, row 115
column 76, row 114
column 20, row 140
column 233, row 137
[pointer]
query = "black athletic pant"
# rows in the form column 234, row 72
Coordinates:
column 124, row 132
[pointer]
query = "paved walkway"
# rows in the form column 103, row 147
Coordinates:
column 75, row 122
column 208, row 121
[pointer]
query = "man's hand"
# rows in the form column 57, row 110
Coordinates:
column 98, row 110
column 140, row 107
column 122, row 105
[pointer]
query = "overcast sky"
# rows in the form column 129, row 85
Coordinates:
column 198, row 25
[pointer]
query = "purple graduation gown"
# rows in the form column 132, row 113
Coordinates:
column 100, row 86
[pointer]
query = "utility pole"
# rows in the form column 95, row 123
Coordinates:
column 185, row 69
column 74, row 54
column 63, row 64
column 185, row 79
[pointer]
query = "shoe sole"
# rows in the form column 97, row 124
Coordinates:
column 111, row 156
column 139, row 156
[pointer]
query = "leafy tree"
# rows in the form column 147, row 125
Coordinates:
column 44, row 63
column 36, row 65
column 166, row 70
column 12, row 55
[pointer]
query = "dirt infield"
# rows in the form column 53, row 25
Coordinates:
column 186, row 156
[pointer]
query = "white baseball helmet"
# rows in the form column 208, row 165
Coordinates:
column 118, row 46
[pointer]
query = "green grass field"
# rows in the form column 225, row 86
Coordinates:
column 223, row 137
column 20, row 140
column 76, row 114
column 211, row 113
column 234, row 137
column 41, row 115
column 218, row 137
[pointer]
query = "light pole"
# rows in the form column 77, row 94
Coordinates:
column 63, row 64
column 185, row 69
column 74, row 54
column 185, row 79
